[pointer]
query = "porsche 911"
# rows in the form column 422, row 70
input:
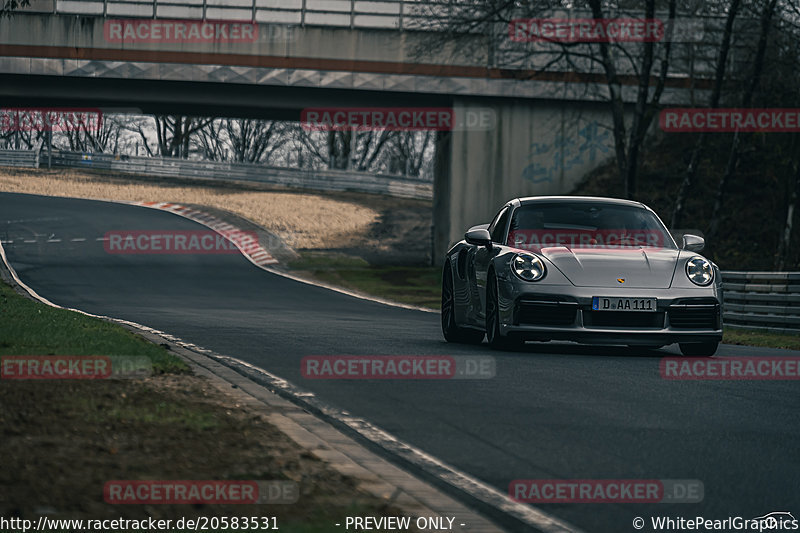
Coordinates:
column 585, row 269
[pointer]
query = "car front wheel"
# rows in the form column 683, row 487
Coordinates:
column 451, row 330
column 496, row 340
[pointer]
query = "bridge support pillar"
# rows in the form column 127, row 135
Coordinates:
column 535, row 147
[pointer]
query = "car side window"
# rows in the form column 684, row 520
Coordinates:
column 498, row 228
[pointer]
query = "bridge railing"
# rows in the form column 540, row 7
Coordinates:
column 693, row 55
column 321, row 180
column 396, row 14
column 767, row 301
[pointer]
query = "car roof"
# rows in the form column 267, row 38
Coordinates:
column 550, row 199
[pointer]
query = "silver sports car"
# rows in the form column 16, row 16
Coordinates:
column 584, row 269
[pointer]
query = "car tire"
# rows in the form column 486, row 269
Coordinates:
column 496, row 340
column 699, row 349
column 450, row 329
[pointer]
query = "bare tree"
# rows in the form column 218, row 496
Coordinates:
column 477, row 30
column 747, row 99
column 174, row 133
column 255, row 141
column 716, row 92
column 106, row 138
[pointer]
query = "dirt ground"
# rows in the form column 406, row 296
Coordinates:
column 63, row 440
column 381, row 230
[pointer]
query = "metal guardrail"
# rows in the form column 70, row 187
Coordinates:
column 19, row 158
column 767, row 301
column 321, row 180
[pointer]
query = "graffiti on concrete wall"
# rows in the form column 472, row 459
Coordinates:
column 549, row 160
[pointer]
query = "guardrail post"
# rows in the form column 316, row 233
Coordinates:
column 402, row 10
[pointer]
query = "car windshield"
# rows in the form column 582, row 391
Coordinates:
column 586, row 225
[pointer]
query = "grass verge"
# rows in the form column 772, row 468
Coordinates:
column 32, row 328
column 62, row 440
column 763, row 339
column 412, row 285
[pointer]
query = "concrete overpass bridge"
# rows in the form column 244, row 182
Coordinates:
column 273, row 58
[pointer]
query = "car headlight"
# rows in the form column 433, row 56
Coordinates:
column 528, row 267
column 699, row 271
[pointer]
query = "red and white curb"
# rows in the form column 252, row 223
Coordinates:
column 261, row 258
column 253, row 251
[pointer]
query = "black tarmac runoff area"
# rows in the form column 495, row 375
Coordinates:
column 553, row 411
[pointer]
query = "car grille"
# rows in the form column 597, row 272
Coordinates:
column 623, row 319
column 545, row 311
column 694, row 314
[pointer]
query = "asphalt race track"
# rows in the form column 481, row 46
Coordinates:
column 555, row 411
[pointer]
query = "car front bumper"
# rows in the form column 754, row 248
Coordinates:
column 564, row 312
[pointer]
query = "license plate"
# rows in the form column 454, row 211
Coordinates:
column 602, row 303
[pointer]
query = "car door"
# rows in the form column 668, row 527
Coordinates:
column 484, row 255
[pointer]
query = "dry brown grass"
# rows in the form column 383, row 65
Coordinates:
column 303, row 220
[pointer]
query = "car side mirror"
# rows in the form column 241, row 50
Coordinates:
column 479, row 236
column 693, row 243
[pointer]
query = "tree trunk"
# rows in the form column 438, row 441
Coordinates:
column 719, row 78
column 784, row 244
column 733, row 155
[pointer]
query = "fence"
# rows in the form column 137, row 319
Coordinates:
column 321, row 180
column 19, row 158
column 762, row 300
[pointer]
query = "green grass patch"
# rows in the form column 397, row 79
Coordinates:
column 761, row 338
column 412, row 285
column 164, row 414
column 32, row 328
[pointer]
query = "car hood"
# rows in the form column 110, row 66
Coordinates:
column 639, row 267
